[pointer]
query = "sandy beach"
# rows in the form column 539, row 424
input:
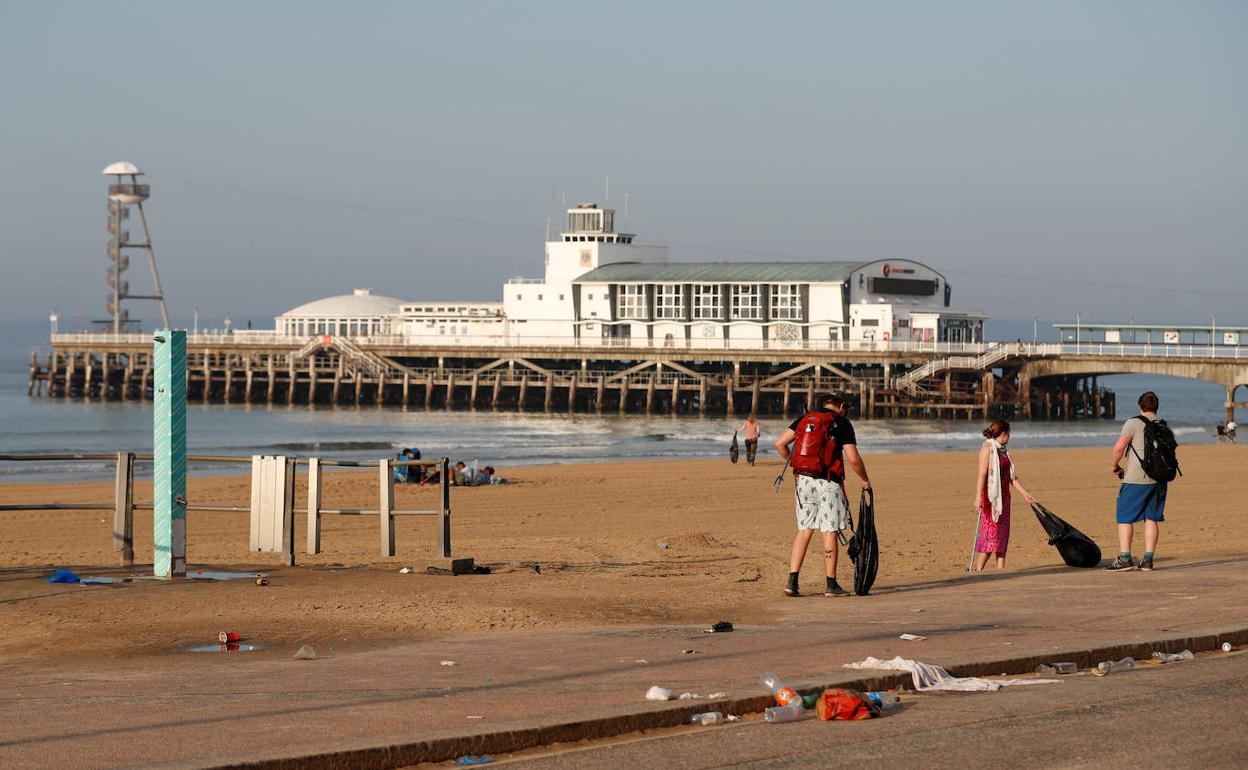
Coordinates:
column 595, row 530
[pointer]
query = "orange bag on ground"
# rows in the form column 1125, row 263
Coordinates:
column 843, row 704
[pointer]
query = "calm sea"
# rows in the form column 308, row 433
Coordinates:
column 41, row 426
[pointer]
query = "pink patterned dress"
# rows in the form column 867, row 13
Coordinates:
column 994, row 536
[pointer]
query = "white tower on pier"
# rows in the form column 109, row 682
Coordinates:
column 591, row 241
column 123, row 193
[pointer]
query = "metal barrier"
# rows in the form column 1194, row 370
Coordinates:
column 124, row 506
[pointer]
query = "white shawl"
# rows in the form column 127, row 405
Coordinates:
column 994, row 476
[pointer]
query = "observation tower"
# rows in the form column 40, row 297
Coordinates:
column 123, row 193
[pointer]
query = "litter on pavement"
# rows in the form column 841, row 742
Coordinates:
column 928, row 678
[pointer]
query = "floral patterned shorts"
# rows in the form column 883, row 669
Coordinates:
column 821, row 505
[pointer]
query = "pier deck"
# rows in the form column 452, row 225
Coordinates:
column 881, row 380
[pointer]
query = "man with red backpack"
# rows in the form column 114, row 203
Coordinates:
column 823, row 443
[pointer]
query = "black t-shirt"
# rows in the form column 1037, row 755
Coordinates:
column 842, row 433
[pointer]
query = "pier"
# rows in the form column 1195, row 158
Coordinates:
column 902, row 380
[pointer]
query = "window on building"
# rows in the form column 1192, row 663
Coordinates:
column 669, row 301
column 786, row 302
column 747, row 301
column 870, row 322
column 539, row 297
column 631, row 301
column 706, row 302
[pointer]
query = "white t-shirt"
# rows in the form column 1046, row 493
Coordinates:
column 1230, row 426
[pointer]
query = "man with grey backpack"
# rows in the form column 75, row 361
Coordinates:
column 1145, row 460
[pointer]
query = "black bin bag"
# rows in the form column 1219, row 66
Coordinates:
column 864, row 546
column 1076, row 548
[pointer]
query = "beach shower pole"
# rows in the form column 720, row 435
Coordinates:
column 169, row 454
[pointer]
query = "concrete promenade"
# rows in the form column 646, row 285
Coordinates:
column 398, row 705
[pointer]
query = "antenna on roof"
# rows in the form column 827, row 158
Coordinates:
column 626, row 213
column 606, row 193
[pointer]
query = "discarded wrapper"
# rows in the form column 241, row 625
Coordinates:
column 912, row 637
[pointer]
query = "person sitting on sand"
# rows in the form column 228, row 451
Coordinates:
column 992, row 495
column 493, row 476
column 403, row 473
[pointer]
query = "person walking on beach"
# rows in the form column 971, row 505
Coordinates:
column 992, row 495
column 750, row 429
column 1232, row 431
column 1140, row 497
column 823, row 443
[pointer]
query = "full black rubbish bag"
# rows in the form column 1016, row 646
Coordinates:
column 734, row 449
column 864, row 546
column 1076, row 548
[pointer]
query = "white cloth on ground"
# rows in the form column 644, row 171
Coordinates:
column 929, row 677
column 994, row 477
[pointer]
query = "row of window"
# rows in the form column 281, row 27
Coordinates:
column 344, row 327
column 597, row 239
column 746, row 302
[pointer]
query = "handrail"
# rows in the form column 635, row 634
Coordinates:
column 124, row 505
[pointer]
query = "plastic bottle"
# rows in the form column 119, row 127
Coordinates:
column 707, row 718
column 1226, row 647
column 885, row 699
column 783, row 694
column 1110, row 666
column 1173, row 657
column 790, row 713
column 1051, row 669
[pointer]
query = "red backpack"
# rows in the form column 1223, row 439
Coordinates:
column 814, row 450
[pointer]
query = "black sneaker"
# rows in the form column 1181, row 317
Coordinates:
column 1121, row 564
column 835, row 590
column 1146, row 565
column 791, row 588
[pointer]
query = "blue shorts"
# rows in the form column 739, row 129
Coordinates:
column 1139, row 502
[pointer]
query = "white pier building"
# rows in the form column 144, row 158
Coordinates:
column 602, row 288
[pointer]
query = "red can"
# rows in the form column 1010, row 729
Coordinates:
column 228, row 636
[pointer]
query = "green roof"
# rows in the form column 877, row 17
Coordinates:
column 721, row 272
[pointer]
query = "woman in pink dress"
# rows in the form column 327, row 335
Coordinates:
column 992, row 495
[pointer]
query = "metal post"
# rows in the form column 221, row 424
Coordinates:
column 288, row 514
column 314, row 505
column 386, row 506
column 169, row 455
column 123, row 511
column 444, row 521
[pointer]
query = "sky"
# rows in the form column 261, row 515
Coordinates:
column 1050, row 158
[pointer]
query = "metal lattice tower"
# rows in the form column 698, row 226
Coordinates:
column 122, row 194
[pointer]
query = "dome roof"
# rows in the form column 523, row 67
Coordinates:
column 121, row 167
column 360, row 303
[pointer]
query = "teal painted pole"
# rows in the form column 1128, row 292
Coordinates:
column 169, row 454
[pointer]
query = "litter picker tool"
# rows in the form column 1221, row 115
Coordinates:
column 780, row 478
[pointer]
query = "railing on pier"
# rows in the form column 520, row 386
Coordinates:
column 123, row 504
column 1151, row 350
column 582, row 345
